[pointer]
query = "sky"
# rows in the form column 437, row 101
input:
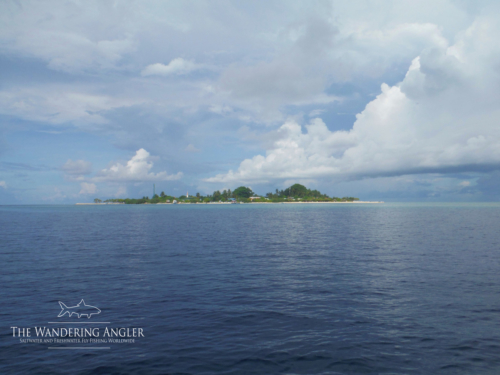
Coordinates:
column 382, row 100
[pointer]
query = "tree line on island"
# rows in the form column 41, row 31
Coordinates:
column 244, row 194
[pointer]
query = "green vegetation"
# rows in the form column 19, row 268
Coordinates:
column 298, row 191
column 154, row 200
column 243, row 194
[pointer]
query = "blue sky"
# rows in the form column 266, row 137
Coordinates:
column 393, row 100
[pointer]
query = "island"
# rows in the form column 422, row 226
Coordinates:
column 296, row 193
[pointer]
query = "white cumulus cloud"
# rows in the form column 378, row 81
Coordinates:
column 3, row 184
column 176, row 66
column 442, row 117
column 137, row 169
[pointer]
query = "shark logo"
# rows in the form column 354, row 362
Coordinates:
column 81, row 309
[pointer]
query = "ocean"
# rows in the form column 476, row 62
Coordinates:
column 252, row 289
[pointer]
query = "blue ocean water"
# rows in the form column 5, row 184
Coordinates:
column 257, row 289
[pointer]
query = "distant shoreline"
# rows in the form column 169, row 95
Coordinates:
column 354, row 202
column 112, row 203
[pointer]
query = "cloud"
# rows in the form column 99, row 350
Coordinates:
column 65, row 37
column 319, row 54
column 3, row 184
column 75, row 53
column 137, row 169
column 262, row 62
column 77, row 167
column 293, row 155
column 176, row 66
column 224, row 66
column 442, row 117
column 191, row 148
column 87, row 188
column 220, row 109
column 60, row 104
column 296, row 75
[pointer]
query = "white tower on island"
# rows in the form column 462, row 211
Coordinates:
column 187, row 194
